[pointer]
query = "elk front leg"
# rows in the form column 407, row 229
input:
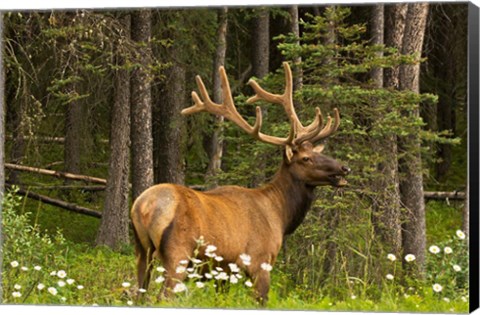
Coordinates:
column 262, row 286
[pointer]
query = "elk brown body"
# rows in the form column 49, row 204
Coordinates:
column 169, row 219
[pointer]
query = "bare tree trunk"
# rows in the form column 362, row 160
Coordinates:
column 295, row 29
column 386, row 218
column 410, row 165
column 141, row 106
column 2, row 145
column 261, row 43
column 216, row 150
column 73, row 133
column 113, row 231
column 395, row 15
column 261, row 60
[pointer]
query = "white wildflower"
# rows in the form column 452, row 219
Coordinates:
column 64, row 299
column 437, row 287
column 209, row 251
column 179, row 287
column 142, row 290
column 248, row 283
column 160, row 279
column 219, row 268
column 196, row 261
column 353, row 297
column 233, row 267
column 246, row 259
column 40, row 286
column 447, row 250
column 16, row 294
column 233, row 279
column 129, row 303
column 389, row 276
column 200, row 284
column 126, row 284
column 53, row 273
column 161, row 269
column 410, row 257
column 61, row 283
column 446, row 299
column 391, row 257
column 434, row 249
column 208, row 275
column 180, row 269
column 464, row 299
column 37, row 268
column 14, row 264
column 52, row 291
column 214, row 272
column 457, row 268
column 460, row 234
column 191, row 269
column 23, row 268
column 17, row 287
column 222, row 276
column 266, row 266
column 70, row 281
column 61, row 274
column 239, row 276
column 183, row 262
column 80, row 287
column 195, row 275
column 218, row 258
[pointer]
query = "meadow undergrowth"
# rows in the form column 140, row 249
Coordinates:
column 44, row 268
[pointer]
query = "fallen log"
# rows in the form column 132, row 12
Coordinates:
column 59, row 203
column 59, row 174
column 455, row 195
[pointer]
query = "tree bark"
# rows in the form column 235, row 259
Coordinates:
column 297, row 70
column 410, row 165
column 386, row 209
column 395, row 15
column 261, row 43
column 216, row 150
column 261, row 61
column 141, row 106
column 2, row 144
column 114, row 226
column 73, row 132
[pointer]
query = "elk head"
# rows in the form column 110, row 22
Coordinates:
column 303, row 148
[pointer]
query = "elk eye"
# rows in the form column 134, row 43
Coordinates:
column 306, row 159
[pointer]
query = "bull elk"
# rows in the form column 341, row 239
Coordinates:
column 168, row 219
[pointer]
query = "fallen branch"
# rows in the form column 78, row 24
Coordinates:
column 59, row 203
column 59, row 174
column 455, row 195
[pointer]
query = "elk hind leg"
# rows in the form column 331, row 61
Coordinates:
column 262, row 286
column 144, row 255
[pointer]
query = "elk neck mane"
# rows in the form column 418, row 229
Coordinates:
column 292, row 197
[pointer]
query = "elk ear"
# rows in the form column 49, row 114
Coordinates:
column 289, row 152
column 319, row 148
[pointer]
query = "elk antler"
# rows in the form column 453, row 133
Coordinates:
column 298, row 133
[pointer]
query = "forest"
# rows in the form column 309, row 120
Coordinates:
column 92, row 118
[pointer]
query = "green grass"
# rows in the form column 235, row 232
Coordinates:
column 101, row 272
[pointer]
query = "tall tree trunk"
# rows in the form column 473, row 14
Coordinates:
column 141, row 106
column 73, row 132
column 386, row 218
column 216, row 149
column 261, row 43
column 395, row 15
column 2, row 145
column 169, row 159
column 410, row 165
column 261, row 61
column 113, row 231
column 295, row 29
